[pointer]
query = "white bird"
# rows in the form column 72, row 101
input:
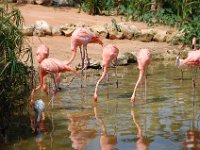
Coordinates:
column 178, row 62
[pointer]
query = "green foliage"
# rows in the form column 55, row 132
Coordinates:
column 182, row 15
column 14, row 57
column 93, row 7
column 114, row 23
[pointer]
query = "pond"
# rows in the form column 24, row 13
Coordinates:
column 165, row 115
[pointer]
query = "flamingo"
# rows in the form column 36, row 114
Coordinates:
column 110, row 53
column 49, row 66
column 179, row 60
column 194, row 43
column 81, row 37
column 143, row 59
column 193, row 59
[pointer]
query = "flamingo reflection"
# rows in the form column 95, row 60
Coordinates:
column 142, row 142
column 38, row 128
column 192, row 135
column 107, row 142
column 80, row 134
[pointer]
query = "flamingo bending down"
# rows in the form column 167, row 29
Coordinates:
column 193, row 59
column 110, row 53
column 81, row 37
column 143, row 59
column 49, row 66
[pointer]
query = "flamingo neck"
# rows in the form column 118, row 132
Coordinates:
column 72, row 57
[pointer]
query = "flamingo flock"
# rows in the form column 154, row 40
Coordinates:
column 81, row 37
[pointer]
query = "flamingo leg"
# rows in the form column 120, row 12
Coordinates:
column 194, row 77
column 99, row 81
column 37, row 88
column 145, row 88
column 87, row 57
column 117, row 83
column 54, row 90
column 181, row 74
column 82, row 59
column 83, row 65
column 58, row 80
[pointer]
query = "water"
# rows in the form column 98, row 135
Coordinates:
column 165, row 115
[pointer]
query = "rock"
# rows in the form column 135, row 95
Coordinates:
column 80, row 24
column 56, row 31
column 41, row 28
column 174, row 38
column 128, row 31
column 145, row 35
column 67, row 29
column 160, row 36
column 42, row 2
column 113, row 33
column 68, row 32
column 99, row 30
column 28, row 30
column 95, row 64
column 126, row 58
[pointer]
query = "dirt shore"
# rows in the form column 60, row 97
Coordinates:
column 60, row 45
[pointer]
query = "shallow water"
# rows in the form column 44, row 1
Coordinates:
column 165, row 115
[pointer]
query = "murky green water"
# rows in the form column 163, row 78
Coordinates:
column 165, row 116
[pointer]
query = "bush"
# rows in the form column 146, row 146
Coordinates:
column 15, row 78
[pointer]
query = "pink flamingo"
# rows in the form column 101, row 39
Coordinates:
column 110, row 53
column 194, row 43
column 81, row 37
column 49, row 66
column 193, row 59
column 179, row 60
column 143, row 59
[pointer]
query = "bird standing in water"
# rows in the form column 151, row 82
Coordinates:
column 82, row 37
column 110, row 53
column 143, row 59
column 180, row 61
column 193, row 59
column 39, row 108
column 49, row 66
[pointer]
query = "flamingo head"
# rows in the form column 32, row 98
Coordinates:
column 42, row 53
column 97, row 39
column 133, row 98
column 95, row 97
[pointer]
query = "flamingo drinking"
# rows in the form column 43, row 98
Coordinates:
column 143, row 59
column 110, row 53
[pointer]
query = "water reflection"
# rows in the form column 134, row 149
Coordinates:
column 142, row 142
column 80, row 133
column 192, row 140
column 170, row 117
column 107, row 142
column 39, row 132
